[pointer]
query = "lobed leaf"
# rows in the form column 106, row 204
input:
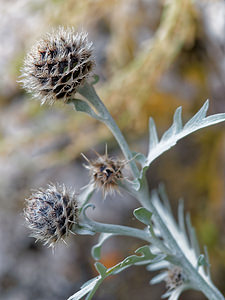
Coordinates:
column 177, row 131
column 96, row 250
column 143, row 215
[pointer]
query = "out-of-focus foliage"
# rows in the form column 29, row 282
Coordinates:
column 152, row 56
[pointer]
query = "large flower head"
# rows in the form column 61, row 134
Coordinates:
column 50, row 213
column 57, row 65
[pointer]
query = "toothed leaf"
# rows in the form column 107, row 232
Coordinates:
column 177, row 131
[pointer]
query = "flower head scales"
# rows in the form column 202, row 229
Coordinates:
column 50, row 213
column 57, row 65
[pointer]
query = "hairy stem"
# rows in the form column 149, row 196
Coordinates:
column 198, row 281
column 112, row 228
column 90, row 94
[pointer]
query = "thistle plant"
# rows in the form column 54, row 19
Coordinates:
column 59, row 68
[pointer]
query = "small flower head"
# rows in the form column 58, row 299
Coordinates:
column 105, row 172
column 50, row 213
column 175, row 278
column 57, row 65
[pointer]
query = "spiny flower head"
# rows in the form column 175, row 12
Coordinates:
column 50, row 213
column 105, row 172
column 57, row 65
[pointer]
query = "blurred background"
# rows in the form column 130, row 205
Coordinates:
column 152, row 56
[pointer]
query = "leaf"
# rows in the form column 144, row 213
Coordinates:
column 85, row 289
column 192, row 235
column 91, row 286
column 202, row 260
column 146, row 255
column 176, row 127
column 153, row 141
column 101, row 269
column 82, row 106
column 140, row 157
column 136, row 183
column 143, row 215
column 207, row 262
column 198, row 117
column 96, row 250
column 86, row 195
column 158, row 278
column 177, row 131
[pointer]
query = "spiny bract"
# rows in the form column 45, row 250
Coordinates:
column 50, row 213
column 57, row 65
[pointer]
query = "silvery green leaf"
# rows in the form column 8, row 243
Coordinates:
column 163, row 264
column 198, row 117
column 145, row 252
column 192, row 235
column 91, row 286
column 158, row 278
column 143, row 215
column 86, row 195
column 202, row 260
column 167, row 294
column 207, row 262
column 96, row 250
column 181, row 216
column 85, row 289
column 158, row 258
column 177, row 132
column 136, row 184
column 164, row 197
column 101, row 269
column 83, row 106
column 140, row 157
column 153, row 136
column 176, row 126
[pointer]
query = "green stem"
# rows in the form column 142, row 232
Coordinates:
column 90, row 94
column 210, row 291
column 112, row 228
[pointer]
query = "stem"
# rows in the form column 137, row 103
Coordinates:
column 112, row 228
column 198, row 282
column 117, row 229
column 90, row 94
column 209, row 290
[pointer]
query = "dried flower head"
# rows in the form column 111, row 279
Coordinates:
column 57, row 65
column 175, row 278
column 50, row 213
column 105, row 172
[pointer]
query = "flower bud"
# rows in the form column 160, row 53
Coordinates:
column 105, row 172
column 57, row 65
column 175, row 278
column 50, row 213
